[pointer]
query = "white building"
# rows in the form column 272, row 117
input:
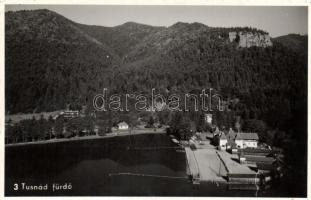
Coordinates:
column 71, row 113
column 208, row 118
column 96, row 129
column 123, row 126
column 244, row 140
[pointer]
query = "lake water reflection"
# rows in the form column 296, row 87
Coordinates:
column 92, row 167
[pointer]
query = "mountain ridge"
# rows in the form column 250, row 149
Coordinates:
column 135, row 54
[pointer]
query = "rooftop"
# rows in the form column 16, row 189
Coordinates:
column 247, row 136
column 122, row 124
column 223, row 136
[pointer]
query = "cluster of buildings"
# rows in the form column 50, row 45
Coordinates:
column 235, row 140
column 245, row 149
column 69, row 114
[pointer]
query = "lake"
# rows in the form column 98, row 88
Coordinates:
column 105, row 167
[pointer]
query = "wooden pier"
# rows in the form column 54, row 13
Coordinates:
column 193, row 168
column 240, row 177
column 210, row 165
column 233, row 166
column 205, row 166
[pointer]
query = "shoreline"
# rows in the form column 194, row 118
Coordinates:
column 90, row 137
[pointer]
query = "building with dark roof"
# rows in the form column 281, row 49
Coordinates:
column 244, row 140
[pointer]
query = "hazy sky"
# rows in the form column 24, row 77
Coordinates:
column 275, row 20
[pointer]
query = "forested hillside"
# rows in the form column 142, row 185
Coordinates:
column 51, row 60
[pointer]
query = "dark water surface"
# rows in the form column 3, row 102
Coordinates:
column 91, row 167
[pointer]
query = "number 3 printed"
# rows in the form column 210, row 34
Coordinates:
column 15, row 186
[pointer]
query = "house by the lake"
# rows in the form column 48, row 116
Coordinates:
column 246, row 140
column 123, row 126
column 96, row 129
column 69, row 114
column 235, row 140
column 208, row 118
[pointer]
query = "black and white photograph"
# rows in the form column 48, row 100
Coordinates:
column 155, row 100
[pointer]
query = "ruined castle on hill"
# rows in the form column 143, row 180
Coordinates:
column 249, row 39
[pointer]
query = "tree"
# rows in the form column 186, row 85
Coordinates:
column 28, row 129
column 164, row 116
column 201, row 124
column 59, row 127
column 185, row 128
column 255, row 125
column 87, row 124
column 237, row 124
column 43, row 128
column 34, row 129
column 133, row 122
column 176, row 121
column 180, row 126
column 75, row 125
column 269, row 137
column 150, row 122
column 14, row 133
column 50, row 126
